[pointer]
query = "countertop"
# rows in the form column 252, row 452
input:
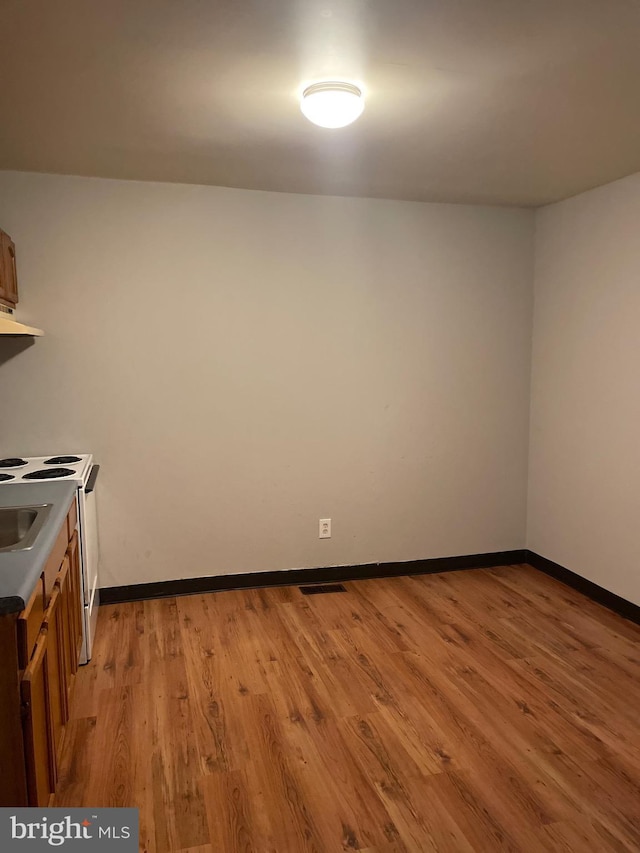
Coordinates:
column 20, row 570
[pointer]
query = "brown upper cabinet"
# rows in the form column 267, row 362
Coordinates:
column 8, row 274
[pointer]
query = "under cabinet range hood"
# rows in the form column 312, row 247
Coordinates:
column 10, row 326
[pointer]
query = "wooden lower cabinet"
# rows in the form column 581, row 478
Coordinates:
column 46, row 662
column 56, row 675
column 69, row 658
column 39, row 752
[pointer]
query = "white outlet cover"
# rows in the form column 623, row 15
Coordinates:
column 324, row 528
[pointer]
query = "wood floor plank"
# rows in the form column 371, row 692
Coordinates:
column 230, row 812
column 202, row 848
column 179, row 812
column 501, row 751
column 571, row 837
column 396, row 791
column 559, row 602
column 324, row 657
column 589, row 711
column 207, row 711
column 74, row 770
column 293, row 824
column 348, row 812
column 110, row 781
column 480, row 710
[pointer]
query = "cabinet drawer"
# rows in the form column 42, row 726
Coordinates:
column 29, row 624
column 72, row 519
column 54, row 562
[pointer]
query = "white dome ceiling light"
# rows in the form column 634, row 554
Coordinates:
column 332, row 104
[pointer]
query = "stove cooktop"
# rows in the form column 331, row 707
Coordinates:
column 32, row 469
column 13, row 462
column 49, row 474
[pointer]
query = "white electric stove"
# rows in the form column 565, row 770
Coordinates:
column 81, row 470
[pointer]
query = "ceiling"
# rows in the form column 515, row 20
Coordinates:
column 518, row 102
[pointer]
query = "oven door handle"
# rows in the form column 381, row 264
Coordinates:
column 91, row 482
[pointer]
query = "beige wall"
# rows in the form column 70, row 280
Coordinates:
column 244, row 363
column 584, row 485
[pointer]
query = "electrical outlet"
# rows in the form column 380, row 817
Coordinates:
column 324, row 531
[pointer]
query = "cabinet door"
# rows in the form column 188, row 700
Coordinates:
column 56, row 670
column 30, row 623
column 37, row 733
column 76, row 607
column 67, row 642
column 8, row 270
column 3, row 288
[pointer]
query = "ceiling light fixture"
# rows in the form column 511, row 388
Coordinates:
column 332, row 104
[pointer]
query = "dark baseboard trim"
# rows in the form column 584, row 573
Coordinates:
column 296, row 577
column 336, row 574
column 614, row 602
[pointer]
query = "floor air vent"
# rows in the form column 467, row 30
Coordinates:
column 318, row 589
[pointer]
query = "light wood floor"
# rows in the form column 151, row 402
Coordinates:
column 479, row 710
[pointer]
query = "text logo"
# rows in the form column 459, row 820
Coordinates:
column 32, row 829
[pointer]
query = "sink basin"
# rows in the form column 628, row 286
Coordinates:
column 20, row 525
